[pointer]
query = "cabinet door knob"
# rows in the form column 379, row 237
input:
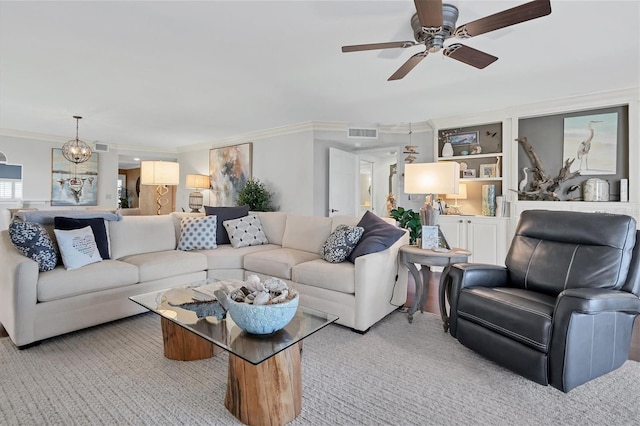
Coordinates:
column 468, row 221
column 460, row 221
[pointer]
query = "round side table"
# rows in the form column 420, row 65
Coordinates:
column 410, row 256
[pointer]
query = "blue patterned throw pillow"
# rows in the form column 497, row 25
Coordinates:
column 198, row 233
column 340, row 243
column 32, row 240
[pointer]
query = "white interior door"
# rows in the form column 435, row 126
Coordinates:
column 343, row 183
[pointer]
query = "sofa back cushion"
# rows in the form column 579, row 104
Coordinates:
column 176, row 217
column 307, row 233
column 225, row 213
column 343, row 220
column 273, row 224
column 141, row 234
column 557, row 250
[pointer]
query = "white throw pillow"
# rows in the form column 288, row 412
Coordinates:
column 198, row 233
column 78, row 247
column 245, row 231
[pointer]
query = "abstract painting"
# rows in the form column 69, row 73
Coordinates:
column 73, row 184
column 592, row 140
column 229, row 170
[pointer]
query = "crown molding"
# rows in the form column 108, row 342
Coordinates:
column 32, row 135
column 307, row 126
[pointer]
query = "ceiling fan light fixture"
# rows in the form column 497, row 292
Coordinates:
column 75, row 150
column 435, row 22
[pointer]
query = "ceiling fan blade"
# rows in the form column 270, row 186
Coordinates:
column 506, row 18
column 469, row 55
column 374, row 46
column 429, row 12
column 408, row 66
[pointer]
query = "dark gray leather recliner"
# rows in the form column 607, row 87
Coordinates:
column 562, row 310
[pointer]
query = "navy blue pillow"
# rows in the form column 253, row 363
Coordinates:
column 97, row 225
column 32, row 240
column 225, row 213
column 378, row 236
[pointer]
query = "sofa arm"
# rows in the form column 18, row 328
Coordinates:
column 380, row 284
column 463, row 275
column 18, row 291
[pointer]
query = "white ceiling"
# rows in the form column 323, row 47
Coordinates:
column 174, row 74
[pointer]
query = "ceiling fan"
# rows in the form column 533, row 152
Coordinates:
column 435, row 22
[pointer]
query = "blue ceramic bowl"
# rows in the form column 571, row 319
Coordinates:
column 262, row 319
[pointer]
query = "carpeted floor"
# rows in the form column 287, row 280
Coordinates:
column 397, row 374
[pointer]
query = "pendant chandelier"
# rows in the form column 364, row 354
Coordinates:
column 76, row 150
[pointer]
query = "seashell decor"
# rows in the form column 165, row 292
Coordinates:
column 271, row 291
column 262, row 308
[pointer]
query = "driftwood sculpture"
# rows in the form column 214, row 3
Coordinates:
column 544, row 187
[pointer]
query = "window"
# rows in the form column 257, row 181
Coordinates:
column 10, row 182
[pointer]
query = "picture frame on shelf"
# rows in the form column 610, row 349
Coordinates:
column 461, row 139
column 488, row 170
column 469, row 173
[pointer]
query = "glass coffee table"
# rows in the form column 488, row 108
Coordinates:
column 263, row 368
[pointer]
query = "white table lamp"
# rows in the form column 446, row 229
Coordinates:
column 461, row 195
column 429, row 179
column 162, row 174
column 196, row 182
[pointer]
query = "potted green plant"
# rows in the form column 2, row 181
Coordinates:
column 410, row 220
column 255, row 195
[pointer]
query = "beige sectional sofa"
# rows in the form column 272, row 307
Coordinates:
column 37, row 305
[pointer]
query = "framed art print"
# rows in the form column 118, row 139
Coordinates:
column 229, row 171
column 469, row 138
column 73, row 184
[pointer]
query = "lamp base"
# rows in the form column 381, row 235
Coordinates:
column 161, row 201
column 195, row 201
column 454, row 209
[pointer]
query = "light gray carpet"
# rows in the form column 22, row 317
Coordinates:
column 397, row 374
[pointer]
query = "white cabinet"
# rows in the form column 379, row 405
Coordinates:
column 484, row 237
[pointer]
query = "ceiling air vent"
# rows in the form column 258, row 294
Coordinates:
column 100, row 147
column 362, row 133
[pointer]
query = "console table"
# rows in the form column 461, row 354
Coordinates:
column 411, row 256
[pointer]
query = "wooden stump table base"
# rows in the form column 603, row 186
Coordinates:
column 181, row 344
column 269, row 393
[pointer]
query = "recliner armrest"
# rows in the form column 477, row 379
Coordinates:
column 595, row 300
column 478, row 275
column 607, row 333
column 462, row 275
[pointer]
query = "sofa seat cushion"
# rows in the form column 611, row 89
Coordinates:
column 331, row 276
column 164, row 264
column 519, row 314
column 227, row 257
column 277, row 263
column 60, row 283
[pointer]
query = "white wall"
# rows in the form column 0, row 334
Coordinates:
column 283, row 162
column 35, row 157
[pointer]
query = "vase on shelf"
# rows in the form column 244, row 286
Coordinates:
column 488, row 200
column 447, row 150
column 498, row 171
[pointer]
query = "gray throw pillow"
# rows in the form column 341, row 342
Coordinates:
column 245, row 231
column 225, row 213
column 378, row 236
column 32, row 240
column 341, row 243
